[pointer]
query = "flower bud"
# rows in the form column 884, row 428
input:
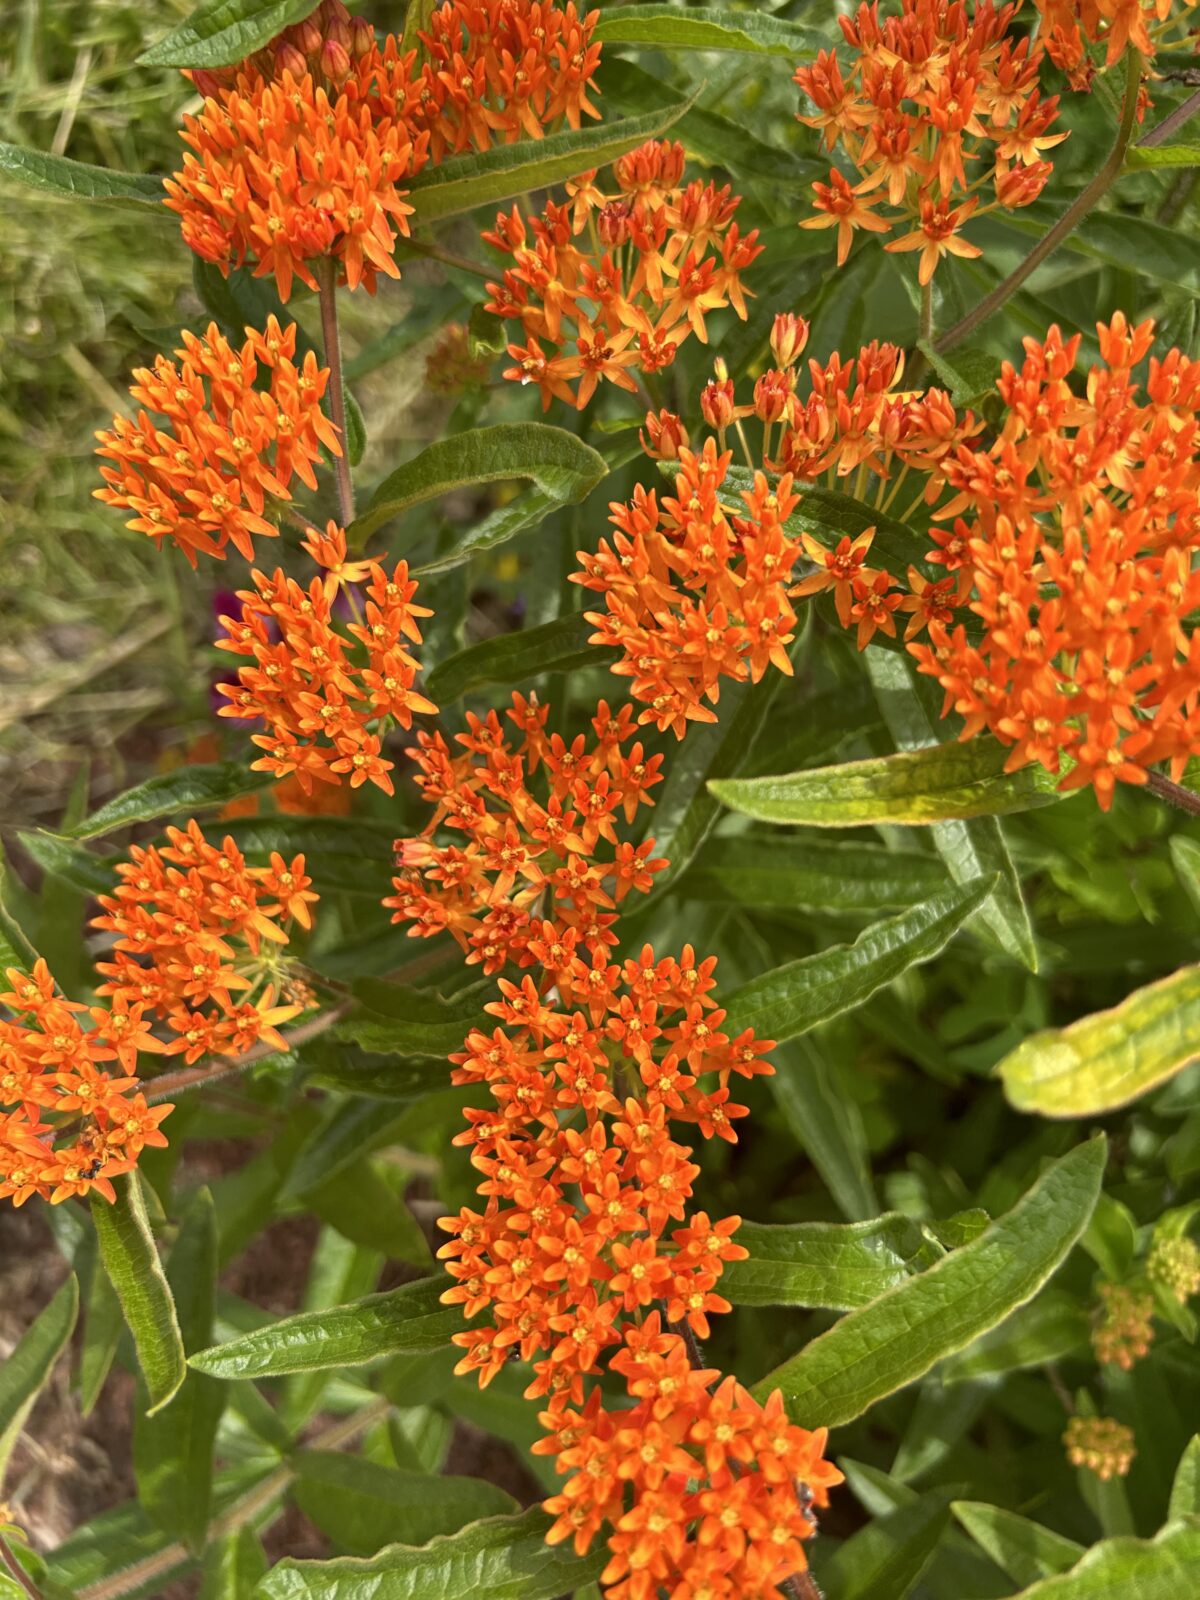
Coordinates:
column 289, row 59
column 772, row 396
column 362, row 36
column 206, row 83
column 1101, row 1444
column 664, row 437
column 335, row 61
column 308, row 37
column 789, row 335
column 716, row 403
column 613, row 223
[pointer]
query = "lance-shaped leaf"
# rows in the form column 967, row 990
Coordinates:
column 826, row 1265
column 1140, row 156
column 1025, row 1550
column 81, row 868
column 397, row 1020
column 398, row 1322
column 232, row 1567
column 27, row 1366
column 131, row 1261
column 173, row 1449
column 363, row 1506
column 794, row 872
column 1185, row 1487
column 501, row 1558
column 1163, row 1568
column 885, row 1560
column 704, row 28
column 796, row 997
column 224, row 31
column 512, row 658
column 78, row 180
column 171, row 794
column 464, row 182
column 826, row 1124
column 899, row 1337
column 940, row 784
column 559, row 465
column 1111, row 1057
column 970, row 848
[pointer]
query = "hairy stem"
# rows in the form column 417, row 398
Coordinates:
column 160, row 1089
column 1162, row 131
column 19, row 1575
column 1164, row 788
column 449, row 258
column 1084, row 202
column 326, row 273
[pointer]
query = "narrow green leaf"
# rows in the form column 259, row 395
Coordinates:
column 940, row 784
column 899, row 1337
column 363, row 1506
column 349, row 1130
column 339, row 1273
column 167, row 794
column 559, row 465
column 397, row 1020
column 76, row 179
column 25, row 1369
column 224, row 31
column 131, row 1261
column 400, row 1321
column 1140, row 157
column 232, row 1566
column 885, row 1560
column 82, row 869
column 464, row 182
column 1185, row 1490
column 1166, row 1567
column 796, row 997
column 342, row 853
column 1024, row 1550
column 826, row 1124
column 501, row 1558
column 704, row 28
column 173, row 1449
column 103, row 1326
column 1111, row 1057
column 360, row 1203
column 15, row 948
column 970, row 848
column 513, row 658
column 1050, row 1328
column 830, row 1265
column 799, row 873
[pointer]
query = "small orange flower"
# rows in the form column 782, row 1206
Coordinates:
column 226, row 442
column 1147, row 26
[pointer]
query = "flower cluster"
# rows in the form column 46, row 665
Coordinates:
column 698, row 587
column 1101, row 1444
column 500, row 70
column 1148, row 26
column 326, row 712
column 199, row 939
column 938, row 106
column 301, row 152
column 1077, row 552
column 1174, row 1262
column 1125, row 1330
column 51, row 1061
column 526, row 858
column 584, row 1258
column 658, row 257
column 234, row 428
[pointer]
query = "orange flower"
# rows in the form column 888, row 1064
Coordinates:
column 227, row 442
column 196, row 928
column 501, row 70
column 937, row 105
column 301, row 152
column 325, row 710
column 1145, row 25
column 661, row 257
column 50, row 1063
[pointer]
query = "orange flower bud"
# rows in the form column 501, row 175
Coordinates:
column 789, row 335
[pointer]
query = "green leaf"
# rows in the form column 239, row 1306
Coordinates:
column 356, row 431
column 1140, row 157
column 397, row 1020
column 1050, row 1328
column 1185, row 1490
column 1024, row 1550
column 131, row 1261
column 173, row 1449
column 187, row 789
column 224, row 31
column 1111, row 1057
column 1163, row 1568
column 232, row 1567
column 899, row 1337
column 795, row 872
column 25, row 1369
column 704, row 28
column 828, row 1265
column 885, row 1560
column 360, row 1203
column 397, row 1322
column 464, row 182
column 512, row 658
column 826, row 1124
column 970, row 848
column 362, row 1506
column 561, row 467
column 15, row 948
column 940, row 784
column 347, row 1132
column 796, row 997
column 77, row 179
column 501, row 1558
column 103, row 1327
column 82, row 869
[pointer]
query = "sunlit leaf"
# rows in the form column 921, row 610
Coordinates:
column 836, row 1266
column 131, row 1260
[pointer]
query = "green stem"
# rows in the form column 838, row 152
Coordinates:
column 1087, row 198
column 20, row 1576
column 326, row 273
column 926, row 322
